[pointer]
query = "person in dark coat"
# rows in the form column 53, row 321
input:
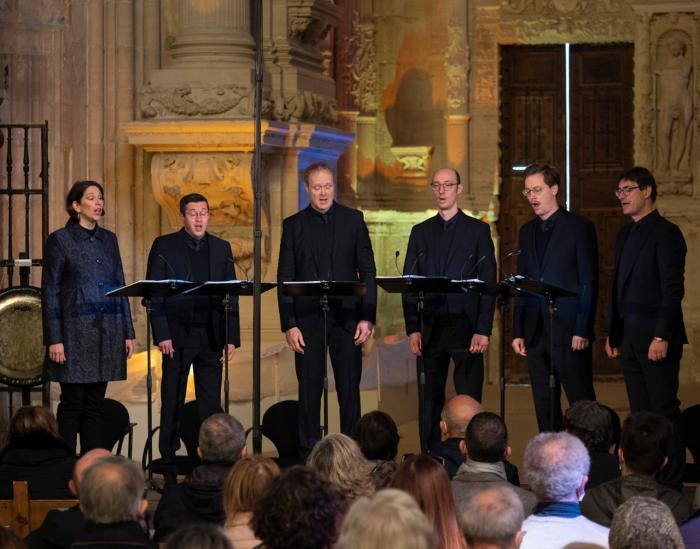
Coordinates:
column 89, row 336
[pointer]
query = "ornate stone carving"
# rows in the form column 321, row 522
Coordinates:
column 302, row 106
column 674, row 186
column 415, row 161
column 566, row 7
column 456, row 67
column 308, row 30
column 364, row 66
column 233, row 100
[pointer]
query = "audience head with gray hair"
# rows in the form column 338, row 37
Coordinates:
column 112, row 490
column 199, row 536
column 556, row 465
column 221, row 439
column 391, row 518
column 493, row 517
column 643, row 522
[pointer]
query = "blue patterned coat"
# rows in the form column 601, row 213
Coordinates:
column 78, row 270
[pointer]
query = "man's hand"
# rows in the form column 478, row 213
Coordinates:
column 657, row 350
column 166, row 347
column 579, row 343
column 415, row 343
column 518, row 345
column 612, row 352
column 231, row 349
column 295, row 340
column 363, row 331
column 129, row 345
column 479, row 344
column 57, row 353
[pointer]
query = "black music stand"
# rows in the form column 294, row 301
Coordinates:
column 518, row 285
column 225, row 289
column 324, row 289
column 148, row 289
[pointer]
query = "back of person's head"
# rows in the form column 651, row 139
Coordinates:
column 221, row 438
column 643, row 522
column 556, row 465
column 486, row 438
column 493, row 515
column 9, row 541
column 201, row 535
column 592, row 423
column 645, row 437
column 299, row 509
column 457, row 413
column 87, row 459
column 426, row 480
column 377, row 436
column 391, row 518
column 112, row 490
column 339, row 459
column 246, row 484
column 32, row 420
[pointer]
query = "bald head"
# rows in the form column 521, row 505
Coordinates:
column 456, row 415
column 82, row 464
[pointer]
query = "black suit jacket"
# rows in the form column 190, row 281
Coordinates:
column 471, row 242
column 59, row 529
column 172, row 317
column 653, row 285
column 570, row 262
column 352, row 259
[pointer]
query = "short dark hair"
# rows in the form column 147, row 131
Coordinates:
column 550, row 173
column 76, row 194
column 642, row 177
column 377, row 436
column 192, row 197
column 592, row 423
column 202, row 535
column 453, row 170
column 645, row 438
column 316, row 167
column 486, row 438
column 317, row 508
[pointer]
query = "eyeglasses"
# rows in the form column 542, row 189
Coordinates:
column 443, row 186
column 535, row 190
column 624, row 191
column 194, row 214
column 319, row 188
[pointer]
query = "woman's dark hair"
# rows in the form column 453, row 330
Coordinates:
column 30, row 420
column 377, row 436
column 76, row 194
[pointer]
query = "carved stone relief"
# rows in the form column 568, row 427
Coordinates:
column 194, row 99
column 302, row 106
column 364, row 66
column 457, row 67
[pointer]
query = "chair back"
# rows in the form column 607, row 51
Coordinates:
column 280, row 424
column 114, row 424
column 189, row 428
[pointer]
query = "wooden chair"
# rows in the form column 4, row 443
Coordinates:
column 21, row 515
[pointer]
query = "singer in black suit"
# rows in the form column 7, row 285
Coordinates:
column 645, row 323
column 190, row 330
column 559, row 248
column 326, row 241
column 456, row 327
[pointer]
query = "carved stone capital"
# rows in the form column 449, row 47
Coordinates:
column 415, row 161
column 302, row 106
column 310, row 20
column 195, row 99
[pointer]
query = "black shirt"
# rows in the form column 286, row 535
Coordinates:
column 544, row 234
column 322, row 240
column 198, row 252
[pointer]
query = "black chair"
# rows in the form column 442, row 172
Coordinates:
column 116, row 425
column 189, row 435
column 690, row 422
column 280, row 424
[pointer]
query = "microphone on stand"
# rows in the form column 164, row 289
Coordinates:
column 512, row 253
column 473, row 269
column 167, row 264
column 396, row 261
column 415, row 262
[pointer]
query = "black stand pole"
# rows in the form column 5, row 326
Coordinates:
column 149, row 390
column 227, row 310
column 552, row 379
column 421, row 379
column 325, row 308
column 503, row 308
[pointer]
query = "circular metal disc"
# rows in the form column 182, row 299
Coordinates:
column 21, row 337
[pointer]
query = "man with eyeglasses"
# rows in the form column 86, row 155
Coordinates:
column 456, row 327
column 559, row 248
column 190, row 330
column 645, row 322
column 326, row 241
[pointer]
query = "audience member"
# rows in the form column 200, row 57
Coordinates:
column 391, row 519
column 200, row 535
column 427, row 481
column 339, row 459
column 454, row 418
column 487, row 447
column 9, row 541
column 61, row 527
column 592, row 423
column 378, row 438
column 492, row 518
column 245, row 486
column 299, row 509
column 556, row 465
column 642, row 522
column 199, row 498
column 643, row 453
column 36, row 453
column 112, row 498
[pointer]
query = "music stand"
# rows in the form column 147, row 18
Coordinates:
column 147, row 290
column 324, row 289
column 225, row 289
column 519, row 284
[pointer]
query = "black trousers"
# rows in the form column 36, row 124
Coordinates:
column 444, row 344
column 572, row 370
column 80, row 411
column 346, row 360
column 200, row 352
column 654, row 386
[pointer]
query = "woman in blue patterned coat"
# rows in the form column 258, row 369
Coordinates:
column 88, row 336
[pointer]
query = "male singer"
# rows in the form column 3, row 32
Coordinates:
column 457, row 246
column 326, row 241
column 190, row 330
column 559, row 248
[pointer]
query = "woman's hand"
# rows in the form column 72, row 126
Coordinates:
column 129, row 344
column 57, row 353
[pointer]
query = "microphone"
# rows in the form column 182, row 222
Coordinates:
column 167, row 264
column 512, row 253
column 397, row 253
column 239, row 267
column 473, row 268
column 415, row 262
column 464, row 266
